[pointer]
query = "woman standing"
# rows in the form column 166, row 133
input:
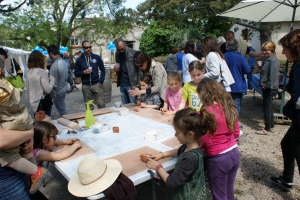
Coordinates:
column 216, row 66
column 188, row 57
column 150, row 67
column 39, row 84
column 290, row 144
column 269, row 83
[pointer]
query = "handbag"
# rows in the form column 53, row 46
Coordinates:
column 16, row 81
column 45, row 103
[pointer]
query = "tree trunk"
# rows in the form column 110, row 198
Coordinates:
column 58, row 36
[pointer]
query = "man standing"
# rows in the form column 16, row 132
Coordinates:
column 238, row 67
column 69, row 62
column 128, row 75
column 59, row 71
column 87, row 67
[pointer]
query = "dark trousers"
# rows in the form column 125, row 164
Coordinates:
column 290, row 145
column 238, row 99
column 268, row 95
column 221, row 173
column 249, row 78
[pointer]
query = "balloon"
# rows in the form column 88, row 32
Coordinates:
column 45, row 52
column 41, row 50
column 37, row 47
column 61, row 47
column 108, row 47
column 81, row 51
column 66, row 48
column 61, row 52
column 110, row 43
column 112, row 49
column 113, row 45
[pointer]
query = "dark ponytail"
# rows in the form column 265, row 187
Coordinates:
column 188, row 119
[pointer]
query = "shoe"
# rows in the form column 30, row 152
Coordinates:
column 241, row 127
column 76, row 88
column 237, row 140
column 37, row 179
column 280, row 182
column 262, row 132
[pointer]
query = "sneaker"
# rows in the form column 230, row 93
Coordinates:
column 37, row 179
column 280, row 182
column 241, row 127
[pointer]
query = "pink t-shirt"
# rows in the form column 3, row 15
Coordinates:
column 173, row 98
column 35, row 153
column 223, row 138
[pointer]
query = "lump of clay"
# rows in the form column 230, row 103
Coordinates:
column 116, row 129
column 138, row 102
column 136, row 109
column 143, row 158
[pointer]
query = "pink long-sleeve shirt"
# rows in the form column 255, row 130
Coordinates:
column 223, row 138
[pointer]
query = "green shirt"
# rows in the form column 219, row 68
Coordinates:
column 189, row 94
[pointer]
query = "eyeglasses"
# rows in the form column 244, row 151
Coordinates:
column 139, row 65
column 87, row 47
column 54, row 137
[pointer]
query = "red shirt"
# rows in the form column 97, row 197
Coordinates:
column 223, row 138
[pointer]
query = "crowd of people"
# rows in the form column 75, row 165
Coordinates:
column 206, row 111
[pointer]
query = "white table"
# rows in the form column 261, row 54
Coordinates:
column 108, row 144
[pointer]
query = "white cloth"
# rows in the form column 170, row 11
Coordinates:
column 186, row 60
column 212, row 65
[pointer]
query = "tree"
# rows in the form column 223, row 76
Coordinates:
column 52, row 21
column 8, row 8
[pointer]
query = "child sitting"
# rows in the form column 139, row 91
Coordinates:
column 188, row 177
column 189, row 89
column 14, row 116
column 45, row 138
column 173, row 94
column 149, row 100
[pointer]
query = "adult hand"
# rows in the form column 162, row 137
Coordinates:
column 100, row 84
column 152, row 163
column 27, row 146
column 78, row 143
column 262, row 54
column 87, row 71
column 134, row 92
column 156, row 157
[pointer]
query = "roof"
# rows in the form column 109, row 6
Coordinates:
column 16, row 51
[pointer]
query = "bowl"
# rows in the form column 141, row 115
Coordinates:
column 155, row 134
column 123, row 111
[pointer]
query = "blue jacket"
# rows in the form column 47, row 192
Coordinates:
column 293, row 87
column 179, row 61
column 96, row 63
column 252, row 59
column 238, row 66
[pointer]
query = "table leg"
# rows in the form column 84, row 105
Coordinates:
column 253, row 93
column 153, row 190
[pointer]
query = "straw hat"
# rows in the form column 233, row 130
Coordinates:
column 94, row 176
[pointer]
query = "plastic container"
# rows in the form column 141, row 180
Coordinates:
column 123, row 111
column 99, row 128
column 155, row 134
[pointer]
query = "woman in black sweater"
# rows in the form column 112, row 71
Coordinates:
column 290, row 143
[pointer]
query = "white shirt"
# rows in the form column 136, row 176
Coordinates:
column 186, row 60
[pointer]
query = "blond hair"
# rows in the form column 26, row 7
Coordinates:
column 269, row 45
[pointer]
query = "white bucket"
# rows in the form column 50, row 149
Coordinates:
column 155, row 134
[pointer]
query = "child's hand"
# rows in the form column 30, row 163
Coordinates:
column 163, row 110
column 143, row 105
column 152, row 163
column 156, row 157
column 167, row 113
column 72, row 141
column 78, row 143
column 27, row 146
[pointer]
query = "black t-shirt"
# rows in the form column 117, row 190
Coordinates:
column 223, row 49
column 123, row 70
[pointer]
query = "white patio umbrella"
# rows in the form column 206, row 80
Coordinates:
column 267, row 11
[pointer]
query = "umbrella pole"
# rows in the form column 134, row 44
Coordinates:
column 287, row 62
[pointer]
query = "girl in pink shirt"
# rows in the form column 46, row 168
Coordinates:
column 223, row 156
column 173, row 95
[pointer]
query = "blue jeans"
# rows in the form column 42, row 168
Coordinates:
column 125, row 96
column 59, row 102
column 15, row 187
column 249, row 78
column 238, row 99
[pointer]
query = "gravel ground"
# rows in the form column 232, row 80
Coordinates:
column 261, row 156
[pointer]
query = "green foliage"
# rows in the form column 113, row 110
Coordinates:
column 53, row 22
column 155, row 40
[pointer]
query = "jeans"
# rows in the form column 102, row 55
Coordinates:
column 290, row 146
column 267, row 107
column 238, row 99
column 59, row 102
column 15, row 187
column 125, row 96
column 249, row 78
column 70, row 81
column 221, row 173
column 91, row 91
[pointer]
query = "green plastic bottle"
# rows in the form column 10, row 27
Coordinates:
column 89, row 117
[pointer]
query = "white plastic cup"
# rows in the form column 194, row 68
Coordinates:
column 90, row 68
column 259, row 63
column 118, row 104
column 203, row 58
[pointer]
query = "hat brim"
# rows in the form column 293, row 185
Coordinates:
column 111, row 174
